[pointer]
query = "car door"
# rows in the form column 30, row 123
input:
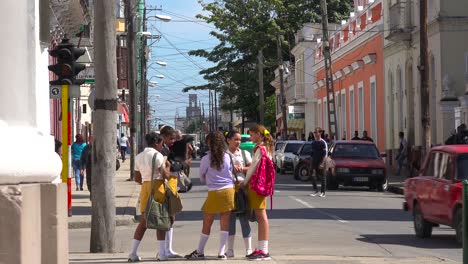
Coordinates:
column 440, row 194
column 424, row 185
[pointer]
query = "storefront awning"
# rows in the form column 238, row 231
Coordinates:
column 123, row 109
column 296, row 124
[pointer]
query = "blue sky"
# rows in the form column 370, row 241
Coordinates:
column 180, row 35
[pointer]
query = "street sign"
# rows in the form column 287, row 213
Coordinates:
column 87, row 74
column 55, row 91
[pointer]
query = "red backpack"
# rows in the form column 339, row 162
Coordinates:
column 262, row 181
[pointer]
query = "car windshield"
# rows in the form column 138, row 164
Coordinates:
column 292, row 147
column 462, row 167
column 367, row 151
column 278, row 146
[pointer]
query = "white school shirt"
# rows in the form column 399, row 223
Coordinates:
column 144, row 163
column 238, row 159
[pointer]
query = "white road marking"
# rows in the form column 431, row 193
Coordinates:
column 306, row 204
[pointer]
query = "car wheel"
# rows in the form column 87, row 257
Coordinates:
column 383, row 186
column 303, row 172
column 458, row 225
column 422, row 227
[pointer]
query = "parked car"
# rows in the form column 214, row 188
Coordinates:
column 301, row 162
column 435, row 196
column 278, row 145
column 284, row 156
column 357, row 163
column 246, row 143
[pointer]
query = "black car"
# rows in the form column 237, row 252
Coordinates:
column 301, row 162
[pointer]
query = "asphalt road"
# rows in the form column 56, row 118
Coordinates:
column 350, row 225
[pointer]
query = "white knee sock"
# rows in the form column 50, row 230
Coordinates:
column 169, row 250
column 135, row 244
column 263, row 246
column 248, row 245
column 162, row 248
column 223, row 237
column 202, row 243
column 231, row 243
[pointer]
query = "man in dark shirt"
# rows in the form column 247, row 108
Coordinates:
column 366, row 137
column 319, row 151
column 356, row 136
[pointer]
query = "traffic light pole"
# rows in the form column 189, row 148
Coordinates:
column 66, row 145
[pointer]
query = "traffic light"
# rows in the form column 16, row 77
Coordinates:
column 66, row 68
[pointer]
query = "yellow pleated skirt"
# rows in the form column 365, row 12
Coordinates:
column 256, row 201
column 159, row 191
column 219, row 201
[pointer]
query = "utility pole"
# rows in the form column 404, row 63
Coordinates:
column 131, row 81
column 209, row 111
column 284, row 114
column 424, row 71
column 261, row 96
column 332, row 126
column 215, row 112
column 144, row 84
column 103, row 153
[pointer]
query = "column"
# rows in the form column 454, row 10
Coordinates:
column 448, row 110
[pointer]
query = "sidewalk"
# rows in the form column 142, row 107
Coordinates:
column 126, row 198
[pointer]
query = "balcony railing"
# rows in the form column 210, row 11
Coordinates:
column 399, row 22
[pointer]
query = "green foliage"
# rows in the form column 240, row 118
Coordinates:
column 244, row 27
column 270, row 111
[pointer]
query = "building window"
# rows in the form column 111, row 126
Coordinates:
column 338, row 114
column 343, row 113
column 325, row 114
column 320, row 114
column 373, row 109
column 352, row 118
column 361, row 106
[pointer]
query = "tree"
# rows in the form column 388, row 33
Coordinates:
column 270, row 111
column 243, row 28
column 105, row 114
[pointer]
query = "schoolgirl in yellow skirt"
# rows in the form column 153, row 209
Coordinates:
column 216, row 172
column 169, row 137
column 143, row 171
column 261, row 136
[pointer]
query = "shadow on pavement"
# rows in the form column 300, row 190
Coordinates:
column 436, row 241
column 348, row 214
column 86, row 210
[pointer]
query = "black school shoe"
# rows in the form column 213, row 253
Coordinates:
column 194, row 255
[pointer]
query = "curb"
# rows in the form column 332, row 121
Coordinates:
column 85, row 222
column 396, row 189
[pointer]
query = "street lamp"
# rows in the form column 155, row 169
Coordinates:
column 163, row 18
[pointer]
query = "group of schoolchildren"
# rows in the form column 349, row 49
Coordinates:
column 218, row 170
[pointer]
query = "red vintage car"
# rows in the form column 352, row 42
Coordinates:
column 357, row 163
column 435, row 196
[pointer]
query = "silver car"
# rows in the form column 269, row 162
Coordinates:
column 284, row 156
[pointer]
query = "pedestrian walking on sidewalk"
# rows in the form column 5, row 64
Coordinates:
column 241, row 160
column 85, row 161
column 216, row 171
column 169, row 136
column 76, row 149
column 123, row 145
column 262, row 139
column 402, row 151
column 319, row 152
column 143, row 169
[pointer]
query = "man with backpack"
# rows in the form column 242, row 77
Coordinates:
column 319, row 151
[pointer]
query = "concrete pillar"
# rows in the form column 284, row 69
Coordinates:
column 27, row 158
column 447, row 108
column 54, row 223
column 20, row 224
